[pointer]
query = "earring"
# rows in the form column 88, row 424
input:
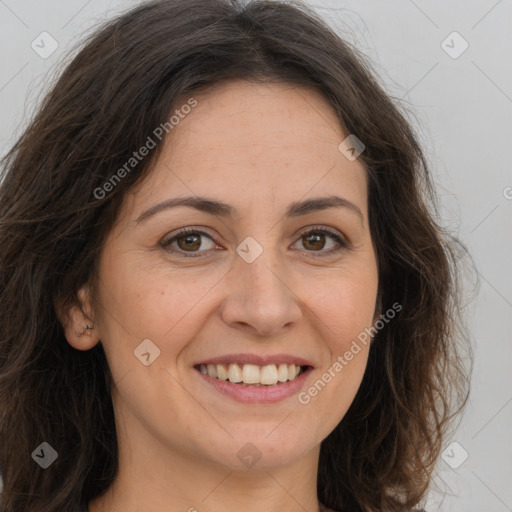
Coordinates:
column 87, row 328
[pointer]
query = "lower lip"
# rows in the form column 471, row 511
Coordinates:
column 257, row 394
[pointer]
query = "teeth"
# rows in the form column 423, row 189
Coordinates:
column 252, row 374
column 269, row 375
column 282, row 373
column 234, row 373
column 222, row 373
column 212, row 370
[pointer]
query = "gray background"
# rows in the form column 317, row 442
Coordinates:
column 462, row 109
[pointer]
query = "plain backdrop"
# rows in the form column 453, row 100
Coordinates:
column 458, row 90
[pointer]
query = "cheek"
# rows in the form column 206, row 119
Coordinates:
column 346, row 305
column 141, row 302
column 344, row 313
column 145, row 299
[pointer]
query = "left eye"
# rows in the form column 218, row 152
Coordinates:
column 188, row 241
column 315, row 239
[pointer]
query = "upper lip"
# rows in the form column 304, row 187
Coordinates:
column 256, row 359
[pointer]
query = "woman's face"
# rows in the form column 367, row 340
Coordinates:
column 247, row 285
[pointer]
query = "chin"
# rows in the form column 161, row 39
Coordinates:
column 263, row 448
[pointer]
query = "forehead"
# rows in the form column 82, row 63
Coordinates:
column 244, row 141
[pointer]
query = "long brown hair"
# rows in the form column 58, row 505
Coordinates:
column 124, row 81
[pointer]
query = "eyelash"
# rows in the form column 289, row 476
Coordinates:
column 317, row 230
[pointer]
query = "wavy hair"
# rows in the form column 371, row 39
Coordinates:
column 123, row 81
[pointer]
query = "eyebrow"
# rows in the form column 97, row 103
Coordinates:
column 212, row 207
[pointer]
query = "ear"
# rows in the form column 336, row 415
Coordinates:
column 77, row 321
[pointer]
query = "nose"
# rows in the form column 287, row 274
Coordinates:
column 259, row 297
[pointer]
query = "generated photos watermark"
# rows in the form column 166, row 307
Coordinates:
column 158, row 133
column 364, row 337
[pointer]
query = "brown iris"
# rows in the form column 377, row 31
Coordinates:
column 315, row 241
column 193, row 242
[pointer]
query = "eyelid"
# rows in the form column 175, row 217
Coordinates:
column 167, row 240
column 325, row 229
column 340, row 239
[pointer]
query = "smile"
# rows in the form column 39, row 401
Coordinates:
column 252, row 374
column 254, row 384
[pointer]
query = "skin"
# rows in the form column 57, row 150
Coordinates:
column 258, row 148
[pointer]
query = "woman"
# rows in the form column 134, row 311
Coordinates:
column 222, row 282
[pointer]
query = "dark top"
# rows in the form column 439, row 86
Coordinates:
column 332, row 510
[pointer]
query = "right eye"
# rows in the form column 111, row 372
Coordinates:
column 188, row 242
